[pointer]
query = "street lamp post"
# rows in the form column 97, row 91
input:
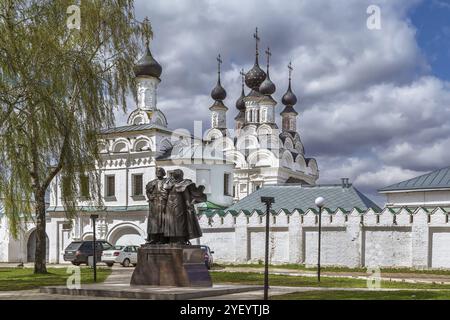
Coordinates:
column 94, row 217
column 268, row 201
column 320, row 201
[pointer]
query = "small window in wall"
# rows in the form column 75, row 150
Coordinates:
column 84, row 186
column 110, row 186
column 65, row 185
column 138, row 184
column 234, row 191
column 226, row 184
column 243, row 187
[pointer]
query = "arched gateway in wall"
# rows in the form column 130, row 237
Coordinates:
column 31, row 247
column 126, row 234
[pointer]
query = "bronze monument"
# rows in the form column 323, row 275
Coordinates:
column 157, row 199
column 168, row 258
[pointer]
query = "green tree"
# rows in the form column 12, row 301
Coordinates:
column 59, row 85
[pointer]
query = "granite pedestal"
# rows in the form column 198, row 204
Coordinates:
column 171, row 265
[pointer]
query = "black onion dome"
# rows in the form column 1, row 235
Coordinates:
column 289, row 98
column 218, row 93
column 267, row 87
column 255, row 77
column 148, row 66
column 240, row 103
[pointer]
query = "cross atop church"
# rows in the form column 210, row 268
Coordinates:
column 268, row 54
column 147, row 31
column 219, row 62
column 255, row 35
column 290, row 70
column 242, row 73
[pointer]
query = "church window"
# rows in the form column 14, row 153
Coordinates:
column 264, row 115
column 138, row 184
column 148, row 98
column 292, row 124
column 285, row 123
column 65, row 186
column 226, row 184
column 84, row 186
column 138, row 120
column 110, row 186
column 215, row 119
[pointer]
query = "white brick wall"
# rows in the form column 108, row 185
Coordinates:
column 417, row 239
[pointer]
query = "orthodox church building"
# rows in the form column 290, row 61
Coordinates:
column 261, row 151
column 229, row 166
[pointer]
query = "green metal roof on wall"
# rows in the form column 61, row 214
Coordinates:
column 209, row 205
column 303, row 197
column 439, row 179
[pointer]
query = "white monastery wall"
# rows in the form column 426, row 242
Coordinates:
column 404, row 238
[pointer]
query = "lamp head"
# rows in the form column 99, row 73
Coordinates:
column 320, row 202
column 268, row 200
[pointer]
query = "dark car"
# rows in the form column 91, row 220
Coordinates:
column 78, row 252
column 208, row 256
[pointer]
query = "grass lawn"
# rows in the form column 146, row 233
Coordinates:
column 329, row 282
column 365, row 295
column 12, row 279
column 301, row 267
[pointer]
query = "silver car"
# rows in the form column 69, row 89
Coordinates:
column 125, row 255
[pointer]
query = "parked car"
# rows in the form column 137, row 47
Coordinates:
column 78, row 252
column 125, row 255
column 209, row 260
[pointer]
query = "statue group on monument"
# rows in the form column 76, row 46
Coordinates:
column 172, row 217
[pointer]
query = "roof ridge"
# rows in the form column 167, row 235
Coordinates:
column 404, row 184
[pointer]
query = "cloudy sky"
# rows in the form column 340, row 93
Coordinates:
column 373, row 104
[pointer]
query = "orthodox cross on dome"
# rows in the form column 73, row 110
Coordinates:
column 290, row 70
column 147, row 31
column 219, row 62
column 242, row 73
column 257, row 39
column 268, row 54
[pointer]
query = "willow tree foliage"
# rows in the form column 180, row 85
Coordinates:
column 59, row 85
